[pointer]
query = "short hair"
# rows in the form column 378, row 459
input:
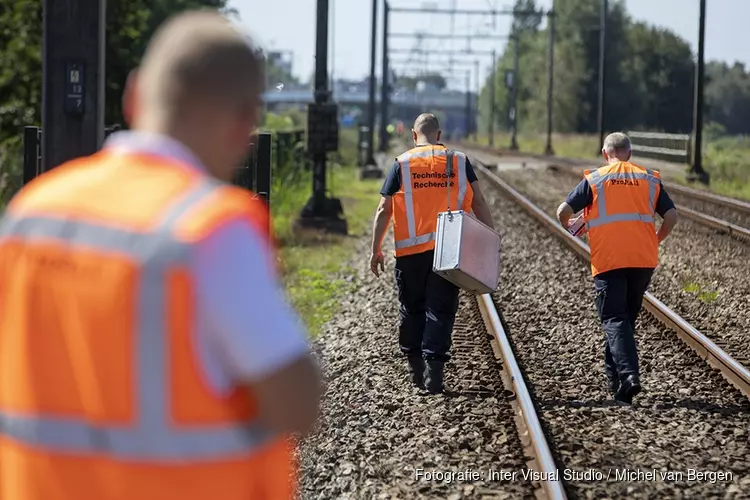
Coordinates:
column 616, row 143
column 426, row 124
column 200, row 54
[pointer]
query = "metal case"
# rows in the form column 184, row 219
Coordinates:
column 467, row 252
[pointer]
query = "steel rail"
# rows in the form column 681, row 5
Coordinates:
column 543, row 460
column 713, row 222
column 699, row 194
column 732, row 370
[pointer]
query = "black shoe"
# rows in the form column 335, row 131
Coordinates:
column 416, row 370
column 629, row 387
column 434, row 376
column 614, row 385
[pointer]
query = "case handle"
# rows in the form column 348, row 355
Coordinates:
column 449, row 173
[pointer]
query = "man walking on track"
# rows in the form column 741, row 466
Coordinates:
column 414, row 192
column 146, row 350
column 619, row 201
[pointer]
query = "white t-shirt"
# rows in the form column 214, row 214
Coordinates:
column 245, row 328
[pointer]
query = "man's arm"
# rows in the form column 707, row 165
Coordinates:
column 478, row 204
column 669, row 222
column 383, row 214
column 380, row 224
column 668, row 212
column 480, row 207
column 564, row 213
column 577, row 200
column 252, row 330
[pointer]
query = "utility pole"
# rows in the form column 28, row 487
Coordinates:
column 73, row 62
column 468, row 104
column 475, row 124
column 384, row 85
column 322, row 212
column 697, row 169
column 514, row 98
column 493, row 90
column 602, row 69
column 493, row 13
column 550, row 78
column 370, row 158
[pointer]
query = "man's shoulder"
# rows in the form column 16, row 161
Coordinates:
column 404, row 155
column 638, row 166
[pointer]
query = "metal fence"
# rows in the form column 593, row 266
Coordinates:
column 676, row 148
column 32, row 150
column 254, row 174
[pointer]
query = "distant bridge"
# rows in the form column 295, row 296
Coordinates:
column 453, row 101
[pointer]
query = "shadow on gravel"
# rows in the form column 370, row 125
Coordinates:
column 664, row 403
column 473, row 394
column 668, row 403
column 548, row 404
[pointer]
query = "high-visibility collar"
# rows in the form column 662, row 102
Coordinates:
column 134, row 141
column 597, row 182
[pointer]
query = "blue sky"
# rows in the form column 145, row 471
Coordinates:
column 290, row 25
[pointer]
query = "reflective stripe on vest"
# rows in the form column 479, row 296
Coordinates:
column 152, row 436
column 597, row 181
column 414, row 239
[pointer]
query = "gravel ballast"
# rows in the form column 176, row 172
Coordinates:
column 702, row 272
column 687, row 418
column 737, row 217
column 376, row 430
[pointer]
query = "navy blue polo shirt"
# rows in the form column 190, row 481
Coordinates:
column 582, row 196
column 392, row 182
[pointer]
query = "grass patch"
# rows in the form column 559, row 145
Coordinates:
column 310, row 259
column 708, row 296
column 704, row 295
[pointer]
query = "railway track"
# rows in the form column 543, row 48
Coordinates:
column 549, row 458
column 724, row 214
column 526, row 392
column 732, row 370
column 702, row 272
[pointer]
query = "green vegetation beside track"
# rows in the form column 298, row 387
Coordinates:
column 312, row 263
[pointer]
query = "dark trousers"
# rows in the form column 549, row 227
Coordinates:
column 428, row 308
column 619, row 295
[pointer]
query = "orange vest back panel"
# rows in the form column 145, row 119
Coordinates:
column 424, row 193
column 101, row 393
column 621, row 219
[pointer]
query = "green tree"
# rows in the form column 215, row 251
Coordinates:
column 728, row 97
column 524, row 22
column 663, row 64
column 130, row 24
column 276, row 72
column 649, row 81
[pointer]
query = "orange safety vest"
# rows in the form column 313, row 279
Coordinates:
column 101, row 393
column 424, row 193
column 621, row 219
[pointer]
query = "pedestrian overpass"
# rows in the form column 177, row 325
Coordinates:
column 403, row 105
column 448, row 101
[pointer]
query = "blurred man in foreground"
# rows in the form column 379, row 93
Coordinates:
column 619, row 201
column 146, row 350
column 414, row 192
